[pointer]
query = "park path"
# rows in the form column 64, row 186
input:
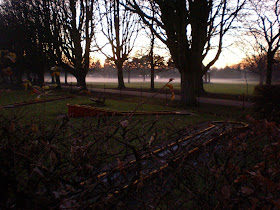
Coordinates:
column 214, row 101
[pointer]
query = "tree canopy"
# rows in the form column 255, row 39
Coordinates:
column 188, row 29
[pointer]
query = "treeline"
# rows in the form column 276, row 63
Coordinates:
column 137, row 66
column 247, row 68
column 45, row 33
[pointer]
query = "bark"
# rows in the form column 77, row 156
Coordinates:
column 144, row 74
column 128, row 75
column 152, row 54
column 121, row 84
column 152, row 75
column 188, row 96
column 79, row 74
column 261, row 77
column 40, row 79
column 81, row 81
column 152, row 62
column 52, row 79
column 57, row 80
column 65, row 74
column 269, row 69
column 200, row 88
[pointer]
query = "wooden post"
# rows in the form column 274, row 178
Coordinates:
column 243, row 99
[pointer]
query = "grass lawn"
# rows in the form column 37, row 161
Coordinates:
column 219, row 88
column 233, row 89
column 52, row 112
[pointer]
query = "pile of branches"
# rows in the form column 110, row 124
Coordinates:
column 267, row 102
column 67, row 166
column 240, row 171
column 59, row 166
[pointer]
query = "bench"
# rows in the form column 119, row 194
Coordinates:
column 100, row 101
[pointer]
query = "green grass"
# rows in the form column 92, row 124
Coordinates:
column 220, row 88
column 52, row 112
column 232, row 89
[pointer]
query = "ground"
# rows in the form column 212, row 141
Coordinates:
column 49, row 159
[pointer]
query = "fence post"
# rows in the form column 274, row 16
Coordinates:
column 166, row 95
column 243, row 99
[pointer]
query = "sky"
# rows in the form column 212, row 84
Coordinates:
column 231, row 53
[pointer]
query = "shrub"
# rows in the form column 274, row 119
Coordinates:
column 267, row 100
column 62, row 166
column 58, row 166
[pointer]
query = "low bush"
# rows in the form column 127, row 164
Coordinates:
column 59, row 166
column 267, row 100
column 62, row 166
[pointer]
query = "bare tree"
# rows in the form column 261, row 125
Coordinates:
column 188, row 28
column 120, row 28
column 62, row 31
column 22, row 23
column 72, row 28
column 256, row 62
column 152, row 46
column 264, row 26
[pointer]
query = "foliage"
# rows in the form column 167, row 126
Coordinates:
column 119, row 28
column 58, row 166
column 240, row 171
column 187, row 28
column 61, row 166
column 267, row 100
column 263, row 25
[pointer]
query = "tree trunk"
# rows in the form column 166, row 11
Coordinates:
column 81, row 81
column 52, row 78
column 57, row 80
column 200, row 88
column 269, row 70
column 188, row 96
column 120, row 76
column 128, row 75
column 152, row 60
column 152, row 76
column 261, row 77
column 40, row 79
column 65, row 74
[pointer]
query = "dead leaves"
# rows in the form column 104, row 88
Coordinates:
column 56, row 73
column 121, row 167
column 170, row 86
column 247, row 190
column 226, row 192
column 34, row 128
column 85, row 92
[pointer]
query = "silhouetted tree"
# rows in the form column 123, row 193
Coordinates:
column 22, row 23
column 264, row 26
column 120, row 27
column 58, row 31
column 187, row 28
column 257, row 65
column 71, row 28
